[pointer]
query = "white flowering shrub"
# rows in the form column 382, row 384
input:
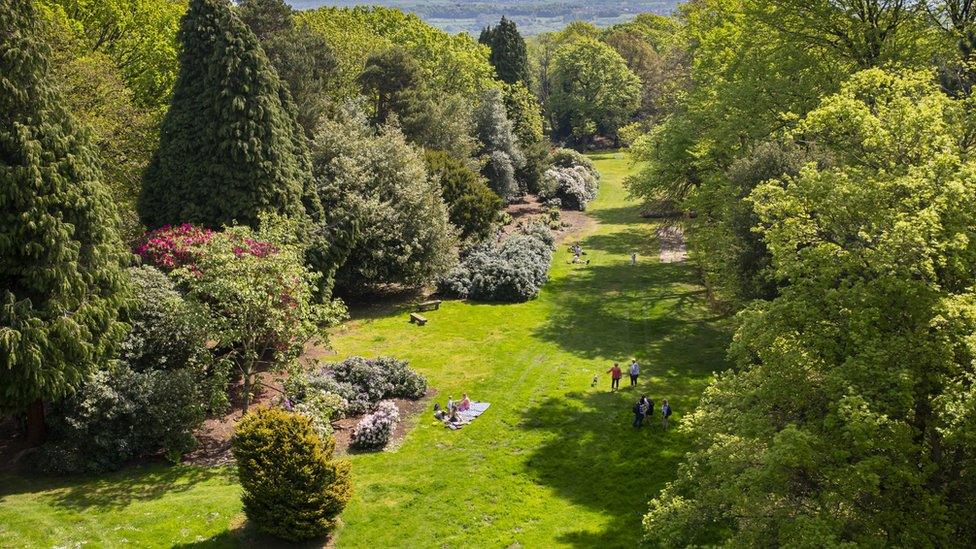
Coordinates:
column 355, row 385
column 574, row 186
column 375, row 429
column 511, row 270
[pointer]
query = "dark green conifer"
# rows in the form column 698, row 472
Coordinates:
column 230, row 147
column 508, row 52
column 61, row 277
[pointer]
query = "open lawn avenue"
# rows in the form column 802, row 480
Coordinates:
column 554, row 461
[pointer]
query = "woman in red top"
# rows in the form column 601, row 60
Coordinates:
column 615, row 375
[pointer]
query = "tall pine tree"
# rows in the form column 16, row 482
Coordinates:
column 507, row 52
column 61, row 257
column 230, row 147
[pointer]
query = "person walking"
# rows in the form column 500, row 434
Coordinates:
column 665, row 414
column 615, row 375
column 640, row 411
column 633, row 258
column 634, row 372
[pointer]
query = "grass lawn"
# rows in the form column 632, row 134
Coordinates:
column 552, row 462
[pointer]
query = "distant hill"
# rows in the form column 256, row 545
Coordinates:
column 532, row 16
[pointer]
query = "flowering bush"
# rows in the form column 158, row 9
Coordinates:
column 358, row 383
column 574, row 186
column 511, row 270
column 568, row 158
column 321, row 407
column 169, row 247
column 374, row 430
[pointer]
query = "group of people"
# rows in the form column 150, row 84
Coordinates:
column 616, row 373
column 578, row 252
column 643, row 407
column 454, row 408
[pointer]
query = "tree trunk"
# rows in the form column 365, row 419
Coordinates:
column 35, row 423
column 247, row 388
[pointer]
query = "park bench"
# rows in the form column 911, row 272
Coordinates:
column 431, row 305
column 417, row 319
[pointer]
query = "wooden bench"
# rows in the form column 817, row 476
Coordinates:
column 417, row 319
column 431, row 305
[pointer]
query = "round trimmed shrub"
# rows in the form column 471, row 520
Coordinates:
column 292, row 486
column 375, row 430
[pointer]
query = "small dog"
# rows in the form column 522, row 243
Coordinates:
column 596, row 378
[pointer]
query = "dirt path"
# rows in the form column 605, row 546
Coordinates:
column 672, row 240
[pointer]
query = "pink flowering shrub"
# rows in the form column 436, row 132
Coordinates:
column 374, row 430
column 169, row 248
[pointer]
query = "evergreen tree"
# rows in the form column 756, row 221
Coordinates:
column 485, row 37
column 230, row 147
column 508, row 52
column 390, row 79
column 61, row 256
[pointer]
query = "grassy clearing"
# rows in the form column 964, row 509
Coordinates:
column 553, row 462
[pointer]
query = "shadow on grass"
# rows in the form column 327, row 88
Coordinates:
column 617, row 311
column 116, row 490
column 248, row 535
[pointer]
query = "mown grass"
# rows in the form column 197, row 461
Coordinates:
column 553, row 461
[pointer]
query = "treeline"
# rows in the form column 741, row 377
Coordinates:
column 826, row 150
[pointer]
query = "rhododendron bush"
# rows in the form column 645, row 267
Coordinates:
column 375, row 430
column 253, row 284
column 169, row 248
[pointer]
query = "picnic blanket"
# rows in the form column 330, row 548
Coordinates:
column 469, row 415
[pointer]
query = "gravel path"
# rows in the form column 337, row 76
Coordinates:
column 672, row 240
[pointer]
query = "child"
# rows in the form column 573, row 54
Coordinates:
column 665, row 414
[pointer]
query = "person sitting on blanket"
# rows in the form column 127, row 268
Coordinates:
column 438, row 413
column 450, row 404
column 455, row 418
column 465, row 403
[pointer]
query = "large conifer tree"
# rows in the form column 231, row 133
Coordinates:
column 230, row 147
column 60, row 251
column 508, row 52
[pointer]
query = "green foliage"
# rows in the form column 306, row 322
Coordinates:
column 389, row 80
column 123, row 131
column 120, row 414
column 61, row 277
column 292, row 486
column 261, row 306
column 303, row 59
column 230, row 148
column 854, row 387
column 472, row 206
column 266, row 18
column 166, row 331
column 451, row 64
column 507, row 51
column 593, row 91
column 404, row 235
column 138, row 35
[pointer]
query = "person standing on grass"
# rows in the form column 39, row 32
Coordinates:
column 665, row 414
column 615, row 375
column 648, row 406
column 634, row 372
column 640, row 412
column 633, row 258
